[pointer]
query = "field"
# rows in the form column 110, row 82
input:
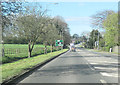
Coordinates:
column 20, row 45
column 15, row 52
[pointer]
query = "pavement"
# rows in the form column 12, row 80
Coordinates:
column 82, row 66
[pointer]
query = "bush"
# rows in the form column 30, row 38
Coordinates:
column 105, row 49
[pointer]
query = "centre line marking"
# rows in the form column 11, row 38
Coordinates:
column 90, row 66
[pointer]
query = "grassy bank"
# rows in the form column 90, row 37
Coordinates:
column 15, row 52
column 11, row 69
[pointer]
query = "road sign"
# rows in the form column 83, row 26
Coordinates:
column 59, row 43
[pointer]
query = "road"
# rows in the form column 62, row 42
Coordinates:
column 82, row 66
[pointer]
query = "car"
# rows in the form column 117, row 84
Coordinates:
column 73, row 49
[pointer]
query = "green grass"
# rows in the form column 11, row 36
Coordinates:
column 15, row 52
column 11, row 69
column 20, row 45
column 103, row 51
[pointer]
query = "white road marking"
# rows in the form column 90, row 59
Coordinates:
column 104, row 68
column 95, row 59
column 90, row 66
column 103, row 81
column 109, row 75
column 94, row 63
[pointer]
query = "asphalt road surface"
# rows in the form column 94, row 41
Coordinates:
column 82, row 66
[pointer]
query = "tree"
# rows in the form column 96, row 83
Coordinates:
column 60, row 25
column 111, row 27
column 63, row 29
column 75, row 36
column 108, row 20
column 93, row 38
column 84, row 40
column 31, row 25
column 102, row 42
column 9, row 9
column 98, row 19
column 52, row 36
column 67, row 38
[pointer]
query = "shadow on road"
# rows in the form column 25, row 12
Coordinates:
column 66, row 70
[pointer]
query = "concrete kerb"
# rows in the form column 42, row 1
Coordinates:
column 16, row 79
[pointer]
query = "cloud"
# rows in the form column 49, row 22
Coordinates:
column 77, row 18
column 78, row 21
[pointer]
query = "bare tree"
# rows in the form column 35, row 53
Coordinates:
column 98, row 19
column 9, row 9
column 31, row 25
column 52, row 35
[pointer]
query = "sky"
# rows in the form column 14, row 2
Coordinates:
column 78, row 14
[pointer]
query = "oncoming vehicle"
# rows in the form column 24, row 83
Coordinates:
column 72, row 47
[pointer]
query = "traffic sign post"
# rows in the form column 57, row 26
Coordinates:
column 59, row 43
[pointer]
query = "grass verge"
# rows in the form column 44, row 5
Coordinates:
column 103, row 51
column 15, row 53
column 10, row 70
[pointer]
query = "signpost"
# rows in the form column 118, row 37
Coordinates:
column 59, row 43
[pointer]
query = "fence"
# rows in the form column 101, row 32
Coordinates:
column 12, row 54
column 24, row 51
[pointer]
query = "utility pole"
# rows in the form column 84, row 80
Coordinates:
column 98, row 39
column 62, row 37
column 94, row 39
